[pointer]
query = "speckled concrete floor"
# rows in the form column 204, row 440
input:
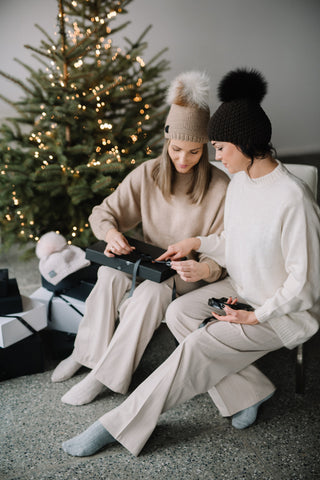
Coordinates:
column 191, row 442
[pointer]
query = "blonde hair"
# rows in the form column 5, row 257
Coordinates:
column 164, row 174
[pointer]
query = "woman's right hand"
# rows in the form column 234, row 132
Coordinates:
column 117, row 244
column 180, row 249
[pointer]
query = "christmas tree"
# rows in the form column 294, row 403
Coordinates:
column 86, row 118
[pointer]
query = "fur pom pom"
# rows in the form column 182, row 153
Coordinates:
column 190, row 89
column 242, row 84
column 49, row 243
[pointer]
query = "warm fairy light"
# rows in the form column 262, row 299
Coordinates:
column 112, row 14
column 137, row 98
column 78, row 64
column 133, row 161
column 134, row 138
column 140, row 61
column 107, row 126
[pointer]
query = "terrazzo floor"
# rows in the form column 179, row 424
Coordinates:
column 191, row 442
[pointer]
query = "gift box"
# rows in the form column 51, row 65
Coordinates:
column 64, row 313
column 144, row 252
column 12, row 302
column 58, row 345
column 4, row 282
column 86, row 275
column 11, row 328
column 22, row 358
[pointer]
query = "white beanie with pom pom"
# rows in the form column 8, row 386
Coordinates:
column 57, row 258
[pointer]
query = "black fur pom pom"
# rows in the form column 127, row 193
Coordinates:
column 242, row 84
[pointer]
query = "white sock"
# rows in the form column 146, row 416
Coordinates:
column 88, row 442
column 246, row 417
column 84, row 391
column 65, row 370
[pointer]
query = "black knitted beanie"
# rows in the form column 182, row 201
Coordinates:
column 240, row 119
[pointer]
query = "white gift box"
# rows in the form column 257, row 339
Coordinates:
column 12, row 330
column 66, row 312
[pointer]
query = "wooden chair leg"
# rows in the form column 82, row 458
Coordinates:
column 300, row 380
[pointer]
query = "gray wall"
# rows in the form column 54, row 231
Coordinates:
column 279, row 37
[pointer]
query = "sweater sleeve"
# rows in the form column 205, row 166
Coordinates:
column 213, row 246
column 121, row 209
column 300, row 243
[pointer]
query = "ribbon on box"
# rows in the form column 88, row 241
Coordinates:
column 148, row 258
column 22, row 320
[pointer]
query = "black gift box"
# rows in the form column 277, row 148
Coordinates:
column 4, row 282
column 22, row 358
column 87, row 274
column 58, row 345
column 12, row 303
column 157, row 272
column 80, row 291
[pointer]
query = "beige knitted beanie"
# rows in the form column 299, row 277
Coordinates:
column 189, row 113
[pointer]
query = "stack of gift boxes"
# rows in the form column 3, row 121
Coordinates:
column 65, row 302
column 20, row 319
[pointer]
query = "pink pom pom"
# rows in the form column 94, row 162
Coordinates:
column 49, row 243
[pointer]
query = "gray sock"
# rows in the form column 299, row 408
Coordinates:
column 88, row 442
column 247, row 417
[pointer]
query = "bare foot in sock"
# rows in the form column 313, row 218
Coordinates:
column 65, row 370
column 88, row 442
column 84, row 391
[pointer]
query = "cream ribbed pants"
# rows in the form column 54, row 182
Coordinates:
column 216, row 358
column 114, row 354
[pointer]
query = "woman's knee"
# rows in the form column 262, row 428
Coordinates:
column 107, row 275
column 174, row 314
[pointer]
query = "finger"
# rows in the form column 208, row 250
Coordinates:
column 164, row 256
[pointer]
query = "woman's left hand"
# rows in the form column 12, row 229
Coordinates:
column 191, row 271
column 237, row 316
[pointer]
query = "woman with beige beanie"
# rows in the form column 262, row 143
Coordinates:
column 174, row 196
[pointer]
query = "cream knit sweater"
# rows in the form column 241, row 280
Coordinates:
column 137, row 199
column 271, row 249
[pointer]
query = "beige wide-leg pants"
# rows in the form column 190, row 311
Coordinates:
column 114, row 354
column 219, row 354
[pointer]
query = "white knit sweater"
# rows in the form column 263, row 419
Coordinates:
column 271, row 249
